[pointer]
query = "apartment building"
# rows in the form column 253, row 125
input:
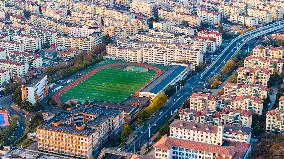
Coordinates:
column 77, row 132
column 85, row 44
column 3, row 54
column 209, row 17
column 145, row 7
column 275, row 121
column 259, row 76
column 279, row 36
column 248, row 103
column 214, row 35
column 202, row 102
column 281, row 103
column 10, row 46
column 15, row 68
column 268, row 52
column 4, row 76
column 30, row 43
column 236, row 117
column 273, row 65
column 197, row 132
column 164, row 54
column 34, row 60
column 170, row 15
column 237, row 134
column 35, row 90
column 264, row 16
column 210, row 43
column 244, row 20
column 172, row 148
column 234, row 89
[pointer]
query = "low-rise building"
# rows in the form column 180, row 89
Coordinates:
column 275, row 121
column 202, row 102
column 273, row 65
column 77, row 132
column 234, row 89
column 225, row 117
column 35, row 90
column 259, row 76
column 16, row 69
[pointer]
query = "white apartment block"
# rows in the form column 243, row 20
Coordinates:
column 236, row 117
column 10, row 46
column 164, row 54
column 259, row 76
column 35, row 90
column 3, row 54
column 203, row 133
column 83, row 31
column 4, row 76
column 144, row 7
column 234, row 89
column 275, row 121
column 281, row 103
column 214, row 35
column 268, row 52
column 168, row 15
column 244, row 20
column 172, row 148
column 273, row 65
column 247, row 103
column 30, row 43
column 14, row 68
column 34, row 60
column 263, row 16
column 85, row 44
column 202, row 102
column 237, row 134
column 210, row 43
column 209, row 17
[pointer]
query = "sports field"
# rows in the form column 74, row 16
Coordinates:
column 110, row 84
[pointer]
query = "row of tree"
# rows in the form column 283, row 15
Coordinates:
column 226, row 70
column 80, row 61
column 155, row 105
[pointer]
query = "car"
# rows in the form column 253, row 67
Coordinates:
column 141, row 132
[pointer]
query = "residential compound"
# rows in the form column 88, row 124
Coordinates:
column 192, row 140
column 165, row 47
column 275, row 118
column 78, row 132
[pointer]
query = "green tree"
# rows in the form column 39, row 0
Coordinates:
column 126, row 131
column 170, row 90
column 17, row 96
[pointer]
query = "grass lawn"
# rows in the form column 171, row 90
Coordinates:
column 112, row 84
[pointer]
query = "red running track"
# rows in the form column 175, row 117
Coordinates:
column 57, row 95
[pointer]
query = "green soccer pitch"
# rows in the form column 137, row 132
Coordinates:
column 110, row 84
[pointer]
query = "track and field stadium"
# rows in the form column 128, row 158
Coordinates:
column 112, row 83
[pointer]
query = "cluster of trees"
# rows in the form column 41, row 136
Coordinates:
column 36, row 120
column 155, row 105
column 271, row 146
column 126, row 131
column 246, row 30
column 273, row 42
column 226, row 71
column 11, row 87
column 80, row 61
column 164, row 130
column 5, row 134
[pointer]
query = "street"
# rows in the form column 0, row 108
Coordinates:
column 175, row 102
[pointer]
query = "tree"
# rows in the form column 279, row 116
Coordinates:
column 27, row 14
column 11, row 87
column 233, row 78
column 229, row 66
column 126, row 131
column 107, row 39
column 170, row 90
column 17, row 96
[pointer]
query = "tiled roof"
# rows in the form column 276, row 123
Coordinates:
column 166, row 143
column 194, row 126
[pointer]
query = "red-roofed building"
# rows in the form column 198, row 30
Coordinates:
column 202, row 102
column 172, row 148
column 274, row 121
column 234, row 89
column 259, row 76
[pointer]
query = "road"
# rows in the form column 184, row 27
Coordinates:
column 143, row 133
column 6, row 103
